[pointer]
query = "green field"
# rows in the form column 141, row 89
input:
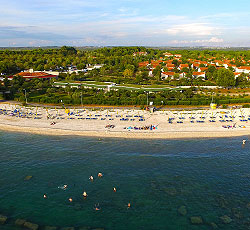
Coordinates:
column 103, row 85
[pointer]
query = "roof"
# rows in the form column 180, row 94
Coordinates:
column 203, row 69
column 198, row 73
column 34, row 75
column 170, row 65
column 244, row 67
column 184, row 65
column 169, row 73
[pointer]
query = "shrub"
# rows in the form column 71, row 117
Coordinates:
column 246, row 106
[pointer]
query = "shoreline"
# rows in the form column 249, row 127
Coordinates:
column 126, row 135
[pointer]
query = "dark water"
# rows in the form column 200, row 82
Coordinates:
column 211, row 178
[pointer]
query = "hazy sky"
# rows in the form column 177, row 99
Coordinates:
column 125, row 22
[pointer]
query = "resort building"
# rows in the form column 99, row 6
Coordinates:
column 243, row 69
column 30, row 74
column 199, row 74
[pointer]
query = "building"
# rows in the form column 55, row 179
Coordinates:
column 183, row 66
column 140, row 54
column 199, row 74
column 30, row 74
column 168, row 54
column 165, row 75
column 243, row 69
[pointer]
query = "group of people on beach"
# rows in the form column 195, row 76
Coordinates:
column 85, row 195
column 146, row 127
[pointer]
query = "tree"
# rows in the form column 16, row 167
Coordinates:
column 66, row 50
column 225, row 78
column 176, row 76
column 211, row 73
column 128, row 73
column 185, row 69
column 241, row 81
column 175, row 62
column 157, row 70
column 139, row 78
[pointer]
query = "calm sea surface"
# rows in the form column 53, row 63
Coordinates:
column 209, row 177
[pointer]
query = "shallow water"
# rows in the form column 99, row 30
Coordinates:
column 211, row 177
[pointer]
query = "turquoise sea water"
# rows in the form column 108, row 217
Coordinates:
column 210, row 177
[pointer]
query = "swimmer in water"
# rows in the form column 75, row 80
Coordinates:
column 244, row 142
column 85, row 194
column 70, row 199
column 129, row 205
column 91, row 178
column 100, row 174
column 65, row 186
column 45, row 196
column 114, row 189
column 97, row 207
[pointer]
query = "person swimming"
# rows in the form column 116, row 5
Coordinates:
column 65, row 186
column 70, row 199
column 244, row 142
column 114, row 189
column 44, row 196
column 97, row 207
column 129, row 205
column 85, row 194
column 100, row 174
column 91, row 178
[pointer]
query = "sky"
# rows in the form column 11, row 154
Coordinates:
column 125, row 23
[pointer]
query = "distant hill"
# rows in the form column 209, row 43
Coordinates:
column 150, row 47
column 29, row 48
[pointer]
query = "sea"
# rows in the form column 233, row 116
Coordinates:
column 170, row 184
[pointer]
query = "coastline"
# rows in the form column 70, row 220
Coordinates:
column 126, row 135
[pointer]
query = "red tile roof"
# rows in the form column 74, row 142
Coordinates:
column 169, row 73
column 203, row 69
column 244, row 67
column 35, row 75
column 198, row 73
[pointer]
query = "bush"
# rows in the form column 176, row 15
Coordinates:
column 246, row 106
column 224, row 102
column 184, row 102
column 224, row 106
column 172, row 102
column 194, row 102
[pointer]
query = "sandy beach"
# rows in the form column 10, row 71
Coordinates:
column 125, row 123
